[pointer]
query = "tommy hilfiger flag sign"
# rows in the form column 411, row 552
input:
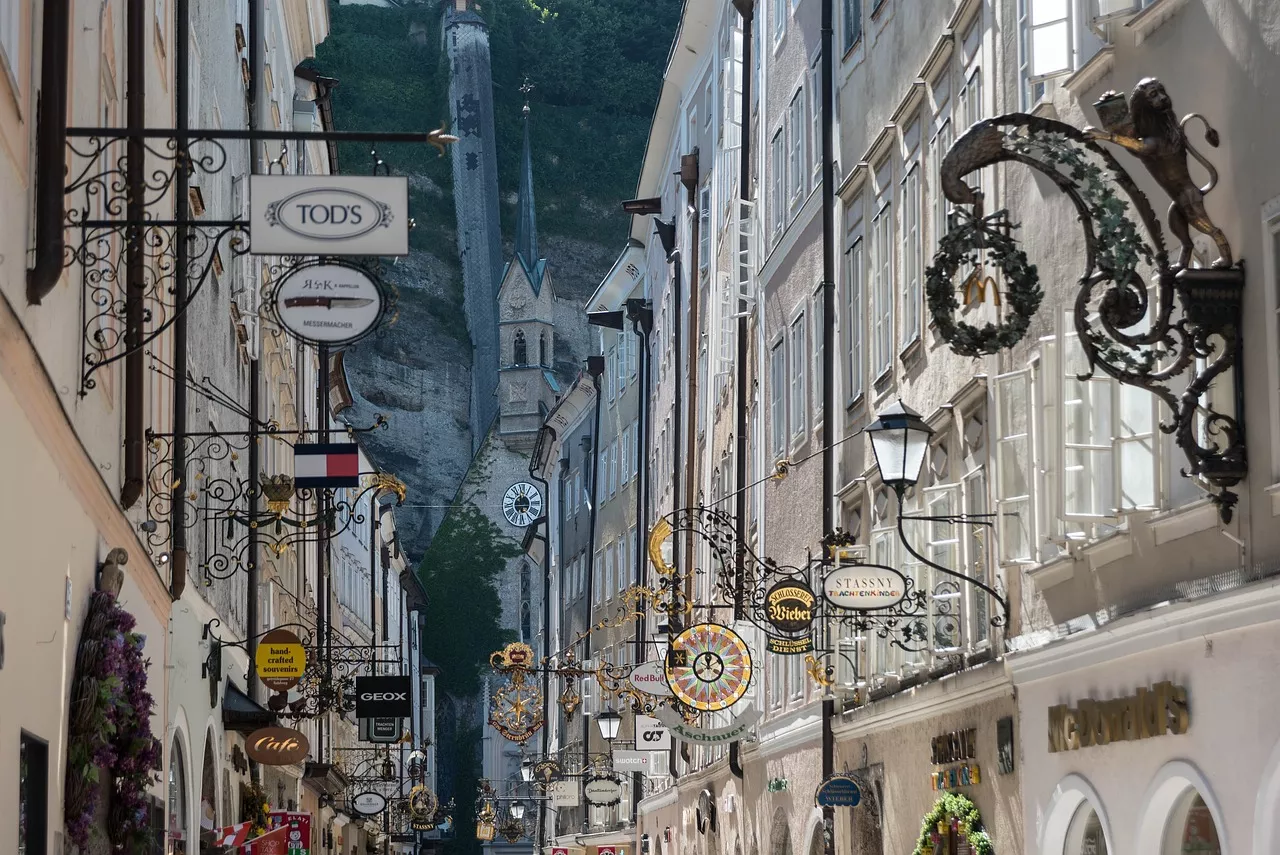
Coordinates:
column 330, row 464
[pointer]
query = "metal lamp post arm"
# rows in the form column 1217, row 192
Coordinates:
column 902, row 537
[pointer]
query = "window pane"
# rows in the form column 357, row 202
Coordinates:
column 1050, row 48
column 1084, row 836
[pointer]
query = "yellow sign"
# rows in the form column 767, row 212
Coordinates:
column 484, row 831
column 281, row 660
column 1148, row 713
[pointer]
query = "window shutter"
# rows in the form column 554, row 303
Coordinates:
column 1049, row 42
column 1087, row 472
column 732, row 99
column 1014, row 473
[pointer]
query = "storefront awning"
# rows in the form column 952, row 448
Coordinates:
column 242, row 713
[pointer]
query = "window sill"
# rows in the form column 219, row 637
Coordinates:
column 1151, row 18
column 853, row 403
column 1274, row 492
column 910, row 351
column 1200, row 515
column 1087, row 76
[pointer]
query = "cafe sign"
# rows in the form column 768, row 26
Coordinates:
column 280, row 660
column 328, row 215
column 789, row 610
column 277, row 746
column 864, row 587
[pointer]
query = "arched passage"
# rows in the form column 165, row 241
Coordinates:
column 1180, row 813
column 1075, row 821
column 780, row 834
column 207, row 813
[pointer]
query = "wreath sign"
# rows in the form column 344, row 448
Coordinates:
column 961, row 245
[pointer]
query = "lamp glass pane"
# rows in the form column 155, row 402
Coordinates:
column 890, row 449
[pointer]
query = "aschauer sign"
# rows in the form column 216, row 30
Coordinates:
column 1145, row 714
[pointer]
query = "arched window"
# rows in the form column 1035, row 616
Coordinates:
column 1191, row 828
column 177, row 794
column 1085, row 835
column 521, row 350
column 542, row 350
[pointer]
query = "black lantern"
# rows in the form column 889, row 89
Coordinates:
column 899, row 438
column 609, row 720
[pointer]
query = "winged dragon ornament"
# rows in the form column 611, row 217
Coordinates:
column 1167, row 327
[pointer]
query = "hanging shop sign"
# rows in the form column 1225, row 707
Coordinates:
column 1147, row 713
column 712, row 669
column 1004, row 744
column 281, row 660
column 328, row 304
column 485, row 831
column 732, row 732
column 277, row 746
column 382, row 729
column 328, row 215
column 954, row 747
column 383, row 696
column 603, row 791
column 608, row 849
column 423, row 804
column 564, row 794
column 369, row 803
column 838, row 790
column 647, row 762
column 326, row 465
column 789, row 609
column 864, row 587
column 650, row 678
column 651, row 734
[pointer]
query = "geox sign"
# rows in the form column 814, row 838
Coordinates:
column 329, row 215
column 378, row 697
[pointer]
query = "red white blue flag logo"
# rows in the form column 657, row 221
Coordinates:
column 331, row 464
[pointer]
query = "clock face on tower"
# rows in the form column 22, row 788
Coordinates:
column 522, row 504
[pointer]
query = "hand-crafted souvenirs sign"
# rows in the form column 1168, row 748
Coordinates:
column 327, row 304
column 277, row 746
column 864, row 587
column 838, row 791
column 281, row 660
column 732, row 732
column 328, row 215
column 789, row 609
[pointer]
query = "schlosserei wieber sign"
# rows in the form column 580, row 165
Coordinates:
column 328, row 215
column 329, row 303
column 788, row 606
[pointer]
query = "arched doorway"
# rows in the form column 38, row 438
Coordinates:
column 1075, row 821
column 1181, row 815
column 1191, row 829
column 207, row 815
column 178, row 835
column 780, row 835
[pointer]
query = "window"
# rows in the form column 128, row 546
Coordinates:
column 819, row 342
column 777, row 398
column 624, row 474
column 815, row 118
column 177, row 794
column 708, row 100
column 1031, row 90
column 1047, row 37
column 795, row 679
column 704, row 227
column 597, row 589
column 911, row 250
column 521, row 348
column 1014, row 518
column 1085, row 835
column 625, row 343
column 779, row 19
column 796, row 152
column 611, row 470
column 799, row 372
column 852, row 11
column 611, row 374
column 777, row 166
column 938, row 148
column 882, row 275
column 33, row 796
column 855, row 317
column 610, row 570
column 776, row 675
column 1191, row 828
column 10, row 40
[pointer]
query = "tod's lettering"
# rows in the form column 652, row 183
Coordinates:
column 1148, row 713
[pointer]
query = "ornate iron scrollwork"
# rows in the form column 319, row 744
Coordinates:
column 1173, row 337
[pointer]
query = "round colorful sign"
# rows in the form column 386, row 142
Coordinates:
column 708, row 667
column 864, row 587
column 281, row 660
column 328, row 304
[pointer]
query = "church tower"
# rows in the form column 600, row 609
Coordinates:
column 527, row 388
column 475, row 193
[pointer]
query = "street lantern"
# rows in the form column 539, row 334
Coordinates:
column 608, row 722
column 517, row 811
column 526, row 770
column 899, row 438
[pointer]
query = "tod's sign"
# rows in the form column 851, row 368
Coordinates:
column 329, row 215
column 1145, row 714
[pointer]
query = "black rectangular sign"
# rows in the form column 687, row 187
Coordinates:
column 379, row 697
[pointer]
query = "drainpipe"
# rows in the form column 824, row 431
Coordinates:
column 595, row 367
column 51, row 152
column 135, row 262
column 746, row 8
column 182, row 214
column 828, row 366
column 689, row 178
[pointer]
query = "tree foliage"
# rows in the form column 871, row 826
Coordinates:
column 461, row 626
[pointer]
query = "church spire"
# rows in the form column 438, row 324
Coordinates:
column 526, row 222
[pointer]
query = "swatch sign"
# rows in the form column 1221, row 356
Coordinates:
column 864, row 587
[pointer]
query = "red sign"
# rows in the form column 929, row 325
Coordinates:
column 290, row 834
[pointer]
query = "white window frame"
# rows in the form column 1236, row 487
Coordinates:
column 816, row 349
column 11, row 42
column 796, row 178
column 1045, row 21
column 882, row 291
column 911, row 241
column 798, row 366
column 779, row 21
column 815, row 118
column 704, row 226
column 625, row 470
column 778, row 392
column 1014, row 449
column 777, row 180
column 855, row 305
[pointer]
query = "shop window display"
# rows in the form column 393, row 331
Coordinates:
column 1085, row 836
column 1191, row 830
